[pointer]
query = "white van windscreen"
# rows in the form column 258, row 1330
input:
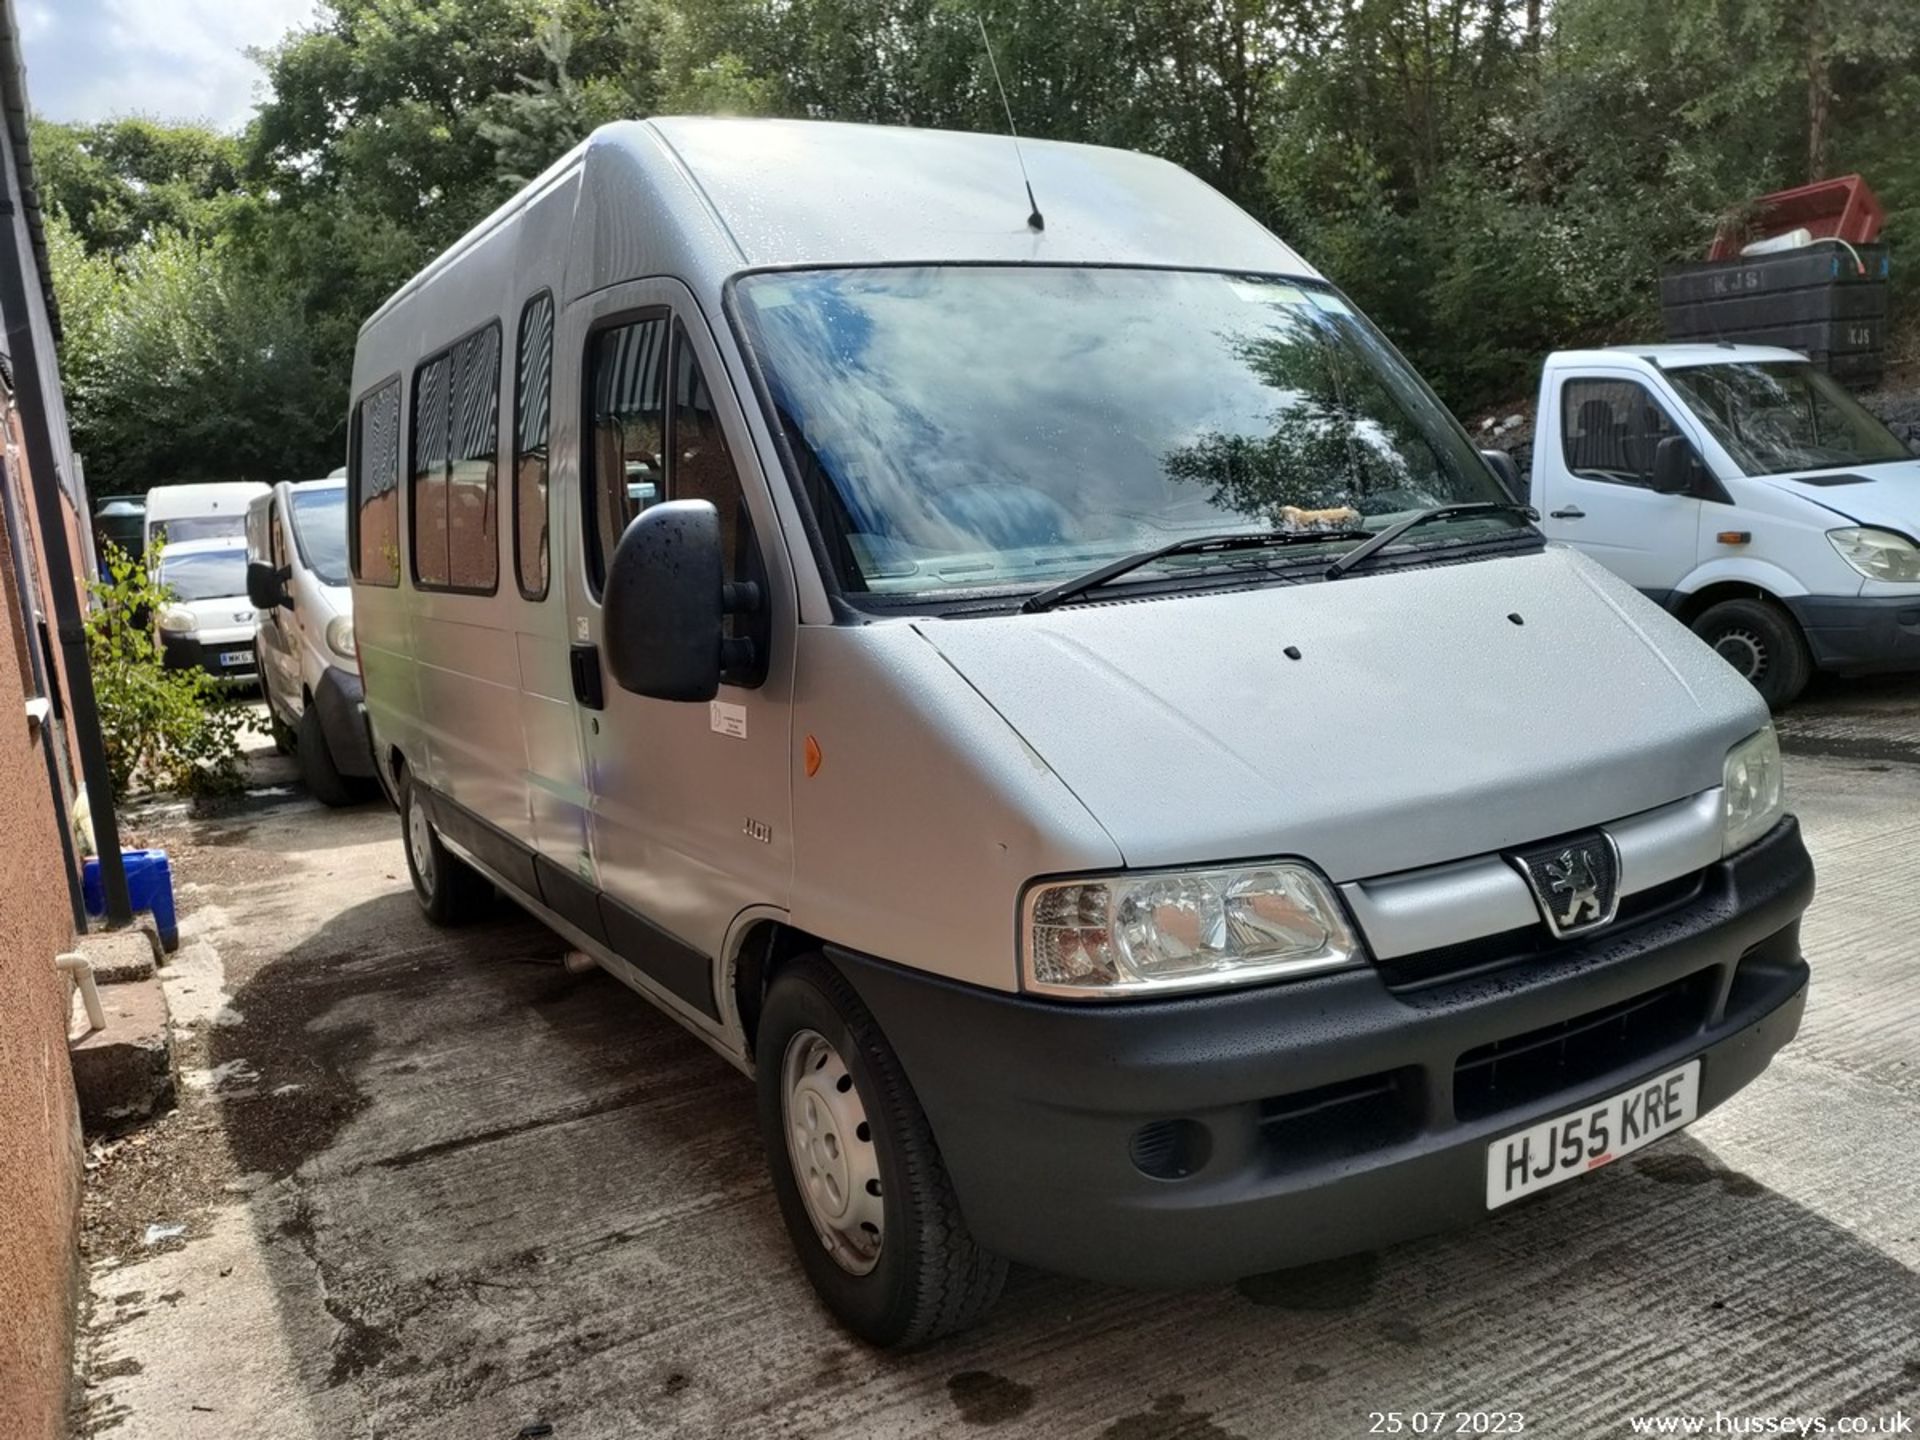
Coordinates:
column 988, row 426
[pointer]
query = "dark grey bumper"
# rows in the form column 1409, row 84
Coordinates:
column 342, row 706
column 1339, row 1115
column 186, row 652
column 1859, row 635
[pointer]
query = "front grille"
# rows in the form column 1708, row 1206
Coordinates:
column 1568, row 1053
column 1530, row 942
column 1344, row 1119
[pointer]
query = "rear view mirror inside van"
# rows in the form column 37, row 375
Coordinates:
column 666, row 603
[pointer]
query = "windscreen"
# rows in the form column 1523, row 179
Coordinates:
column 199, row 527
column 983, row 426
column 1777, row 416
column 204, row 574
column 320, row 530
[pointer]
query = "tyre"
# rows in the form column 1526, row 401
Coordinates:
column 860, row 1181
column 449, row 890
column 324, row 781
column 1760, row 640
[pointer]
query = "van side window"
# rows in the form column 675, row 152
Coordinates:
column 1609, row 429
column 702, row 466
column 627, row 470
column 532, row 396
column 456, row 423
column 373, row 486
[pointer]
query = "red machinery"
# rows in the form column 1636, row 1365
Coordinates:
column 1842, row 209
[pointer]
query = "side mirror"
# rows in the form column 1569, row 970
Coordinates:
column 664, row 609
column 266, row 586
column 1676, row 466
column 1506, row 472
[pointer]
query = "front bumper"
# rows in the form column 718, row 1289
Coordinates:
column 1334, row 1114
column 342, row 705
column 189, row 652
column 1860, row 634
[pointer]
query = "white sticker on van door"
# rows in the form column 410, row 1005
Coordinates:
column 728, row 719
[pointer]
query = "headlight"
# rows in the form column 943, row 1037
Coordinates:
column 1753, row 796
column 178, row 620
column 1183, row 930
column 340, row 636
column 1878, row 554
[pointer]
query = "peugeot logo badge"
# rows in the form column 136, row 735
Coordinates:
column 1575, row 881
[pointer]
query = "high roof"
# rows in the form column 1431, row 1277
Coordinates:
column 803, row 192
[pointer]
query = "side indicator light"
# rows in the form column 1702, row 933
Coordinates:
column 813, row 757
column 1734, row 537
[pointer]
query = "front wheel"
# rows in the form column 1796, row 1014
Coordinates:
column 861, row 1184
column 1760, row 640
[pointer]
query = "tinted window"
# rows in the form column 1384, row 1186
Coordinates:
column 626, row 467
column 532, row 394
column 374, row 486
column 427, row 489
column 702, row 467
column 320, row 530
column 456, row 401
column 204, row 574
column 1609, row 429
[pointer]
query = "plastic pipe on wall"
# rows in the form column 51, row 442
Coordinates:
column 81, row 969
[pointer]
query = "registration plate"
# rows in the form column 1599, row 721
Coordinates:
column 236, row 657
column 1585, row 1139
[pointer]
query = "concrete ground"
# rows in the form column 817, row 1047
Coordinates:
column 432, row 1185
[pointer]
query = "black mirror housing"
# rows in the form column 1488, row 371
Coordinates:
column 266, row 586
column 1507, row 473
column 663, row 610
column 1676, row 467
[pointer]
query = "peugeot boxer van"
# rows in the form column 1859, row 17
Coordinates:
column 1057, row 701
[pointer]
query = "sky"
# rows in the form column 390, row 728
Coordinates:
column 172, row 59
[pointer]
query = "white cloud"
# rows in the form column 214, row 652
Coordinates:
column 174, row 59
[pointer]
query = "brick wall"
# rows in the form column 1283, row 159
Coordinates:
column 40, row 1147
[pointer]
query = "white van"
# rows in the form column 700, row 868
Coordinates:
column 207, row 622
column 297, row 581
column 1065, row 708
column 215, row 510
column 1748, row 493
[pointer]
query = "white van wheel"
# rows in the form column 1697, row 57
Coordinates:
column 450, row 891
column 1762, row 643
column 856, row 1170
column 830, row 1145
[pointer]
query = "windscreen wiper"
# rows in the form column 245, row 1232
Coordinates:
column 1374, row 544
column 1192, row 545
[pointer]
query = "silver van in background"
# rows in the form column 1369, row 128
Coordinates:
column 1059, row 703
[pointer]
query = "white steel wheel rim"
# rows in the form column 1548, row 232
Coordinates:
column 420, row 841
column 1743, row 650
column 830, row 1146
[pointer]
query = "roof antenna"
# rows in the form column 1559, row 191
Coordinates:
column 1035, row 220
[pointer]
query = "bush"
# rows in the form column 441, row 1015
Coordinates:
column 164, row 729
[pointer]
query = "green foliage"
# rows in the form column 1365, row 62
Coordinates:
column 164, row 729
column 1488, row 178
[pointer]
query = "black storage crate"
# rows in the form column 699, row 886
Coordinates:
column 1814, row 300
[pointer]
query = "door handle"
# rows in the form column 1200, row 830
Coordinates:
column 1572, row 512
column 584, row 661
